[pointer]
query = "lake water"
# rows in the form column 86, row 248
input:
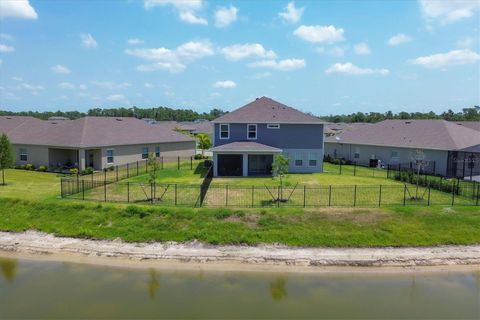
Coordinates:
column 34, row 289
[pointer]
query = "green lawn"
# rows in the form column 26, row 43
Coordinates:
column 30, row 202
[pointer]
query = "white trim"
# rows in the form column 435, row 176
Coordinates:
column 220, row 131
column 273, row 126
column 246, row 150
column 265, row 122
column 113, row 155
column 248, row 131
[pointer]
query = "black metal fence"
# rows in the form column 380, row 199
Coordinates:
column 265, row 196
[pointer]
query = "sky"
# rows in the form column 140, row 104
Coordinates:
column 324, row 57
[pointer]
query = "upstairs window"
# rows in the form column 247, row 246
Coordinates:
column 273, row 126
column 224, row 131
column 157, row 152
column 252, row 131
column 312, row 159
column 23, row 154
column 298, row 159
column 145, row 153
column 110, row 156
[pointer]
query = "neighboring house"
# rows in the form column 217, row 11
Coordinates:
column 450, row 148
column 247, row 139
column 196, row 127
column 96, row 142
column 332, row 129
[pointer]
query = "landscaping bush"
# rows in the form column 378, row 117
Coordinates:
column 29, row 166
column 86, row 171
column 199, row 157
column 74, row 171
column 42, row 168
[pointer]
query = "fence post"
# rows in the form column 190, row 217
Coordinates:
column 191, row 163
column 137, row 167
column 105, row 175
column 354, row 168
column 78, row 186
column 175, row 194
column 253, row 191
column 61, row 188
column 178, row 163
column 105, row 190
column 330, row 195
column 83, row 189
column 161, row 159
column 340, row 167
column 146, row 166
column 404, row 194
column 128, row 192
column 388, row 171
column 116, row 173
column 355, row 195
column 226, row 195
column 278, row 197
column 128, row 171
column 380, row 197
column 478, row 193
column 304, row 196
column 453, row 193
column 428, row 201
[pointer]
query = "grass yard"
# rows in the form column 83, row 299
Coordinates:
column 346, row 227
column 30, row 185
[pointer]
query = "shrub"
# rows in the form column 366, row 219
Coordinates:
column 74, row 171
column 29, row 166
column 88, row 170
column 42, row 168
column 199, row 157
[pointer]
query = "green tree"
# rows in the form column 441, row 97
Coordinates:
column 279, row 169
column 153, row 167
column 6, row 155
column 204, row 142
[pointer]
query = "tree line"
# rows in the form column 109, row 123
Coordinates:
column 157, row 113
column 170, row 114
column 467, row 114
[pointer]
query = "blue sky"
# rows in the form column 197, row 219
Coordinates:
column 326, row 57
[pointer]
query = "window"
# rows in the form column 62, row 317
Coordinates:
column 224, row 131
column 23, row 154
column 252, row 131
column 157, row 152
column 110, row 156
column 394, row 154
column 312, row 159
column 273, row 126
column 145, row 153
column 357, row 153
column 298, row 159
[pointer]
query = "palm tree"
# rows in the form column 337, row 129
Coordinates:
column 204, row 142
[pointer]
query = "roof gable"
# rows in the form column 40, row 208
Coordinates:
column 266, row 110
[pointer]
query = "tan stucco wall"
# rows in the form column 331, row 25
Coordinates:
column 37, row 155
column 133, row 153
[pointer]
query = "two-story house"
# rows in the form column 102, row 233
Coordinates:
column 246, row 140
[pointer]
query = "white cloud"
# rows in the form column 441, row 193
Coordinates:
column 444, row 60
column 446, row 12
column 88, row 41
column 362, row 48
column 60, row 69
column 261, row 75
column 334, row 51
column 351, row 69
column 291, row 13
column 225, row 16
column 111, row 85
column 4, row 48
column 398, row 39
column 71, row 86
column 17, row 79
column 148, row 85
column 7, row 37
column 319, row 34
column 282, row 65
column 187, row 9
column 17, row 9
column 134, row 41
column 467, row 42
column 227, row 84
column 247, row 50
column 117, row 98
column 172, row 60
column 31, row 87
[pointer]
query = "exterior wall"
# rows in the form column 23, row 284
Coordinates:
column 133, row 153
column 289, row 136
column 304, row 153
column 37, row 155
column 384, row 153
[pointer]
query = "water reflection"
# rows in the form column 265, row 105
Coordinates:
column 153, row 283
column 278, row 289
column 9, row 268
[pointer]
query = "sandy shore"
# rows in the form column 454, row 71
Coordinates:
column 260, row 258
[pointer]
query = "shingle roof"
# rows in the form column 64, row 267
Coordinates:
column 266, row 110
column 245, row 146
column 87, row 132
column 425, row 134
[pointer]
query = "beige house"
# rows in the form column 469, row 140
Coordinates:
column 97, row 142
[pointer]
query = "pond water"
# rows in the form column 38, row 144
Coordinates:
column 40, row 289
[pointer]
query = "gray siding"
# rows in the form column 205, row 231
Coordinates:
column 289, row 136
column 384, row 153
